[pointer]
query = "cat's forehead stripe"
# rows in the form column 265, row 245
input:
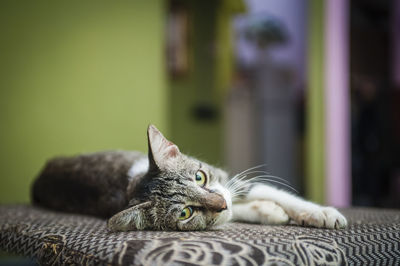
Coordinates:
column 180, row 177
column 177, row 201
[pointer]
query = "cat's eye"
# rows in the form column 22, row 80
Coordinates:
column 186, row 213
column 201, row 178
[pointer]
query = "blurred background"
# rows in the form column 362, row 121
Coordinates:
column 308, row 89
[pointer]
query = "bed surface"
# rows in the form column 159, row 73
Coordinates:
column 372, row 237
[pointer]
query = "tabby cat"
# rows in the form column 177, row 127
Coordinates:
column 168, row 190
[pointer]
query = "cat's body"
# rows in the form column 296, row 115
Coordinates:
column 95, row 184
column 168, row 190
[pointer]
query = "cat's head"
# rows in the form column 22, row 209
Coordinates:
column 177, row 193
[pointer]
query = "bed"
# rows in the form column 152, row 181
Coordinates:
column 53, row 238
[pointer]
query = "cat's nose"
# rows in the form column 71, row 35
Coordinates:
column 214, row 202
column 223, row 207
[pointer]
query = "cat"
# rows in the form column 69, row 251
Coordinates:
column 168, row 190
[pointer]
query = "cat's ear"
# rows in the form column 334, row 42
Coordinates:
column 133, row 218
column 161, row 150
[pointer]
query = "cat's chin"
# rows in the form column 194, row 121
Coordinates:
column 225, row 215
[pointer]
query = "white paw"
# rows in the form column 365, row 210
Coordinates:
column 334, row 219
column 259, row 211
column 322, row 217
column 269, row 212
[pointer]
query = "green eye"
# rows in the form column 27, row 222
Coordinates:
column 186, row 213
column 201, row 178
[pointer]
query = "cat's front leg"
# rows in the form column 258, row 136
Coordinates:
column 301, row 211
column 259, row 211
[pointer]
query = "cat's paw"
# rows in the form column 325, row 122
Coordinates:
column 322, row 217
column 270, row 213
column 260, row 211
column 334, row 219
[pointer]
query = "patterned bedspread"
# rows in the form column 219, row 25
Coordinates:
column 372, row 238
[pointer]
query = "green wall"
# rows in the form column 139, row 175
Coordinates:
column 315, row 164
column 76, row 77
column 199, row 138
column 207, row 81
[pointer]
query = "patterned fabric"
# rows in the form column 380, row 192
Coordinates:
column 373, row 237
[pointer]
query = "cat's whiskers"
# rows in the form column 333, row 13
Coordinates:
column 240, row 183
column 240, row 179
column 251, row 168
column 240, row 176
column 255, row 172
column 237, row 184
column 267, row 174
column 266, row 178
column 232, row 180
column 244, row 172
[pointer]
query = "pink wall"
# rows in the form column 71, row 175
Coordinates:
column 337, row 93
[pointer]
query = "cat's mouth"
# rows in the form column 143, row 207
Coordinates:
column 223, row 207
column 223, row 217
column 225, row 213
